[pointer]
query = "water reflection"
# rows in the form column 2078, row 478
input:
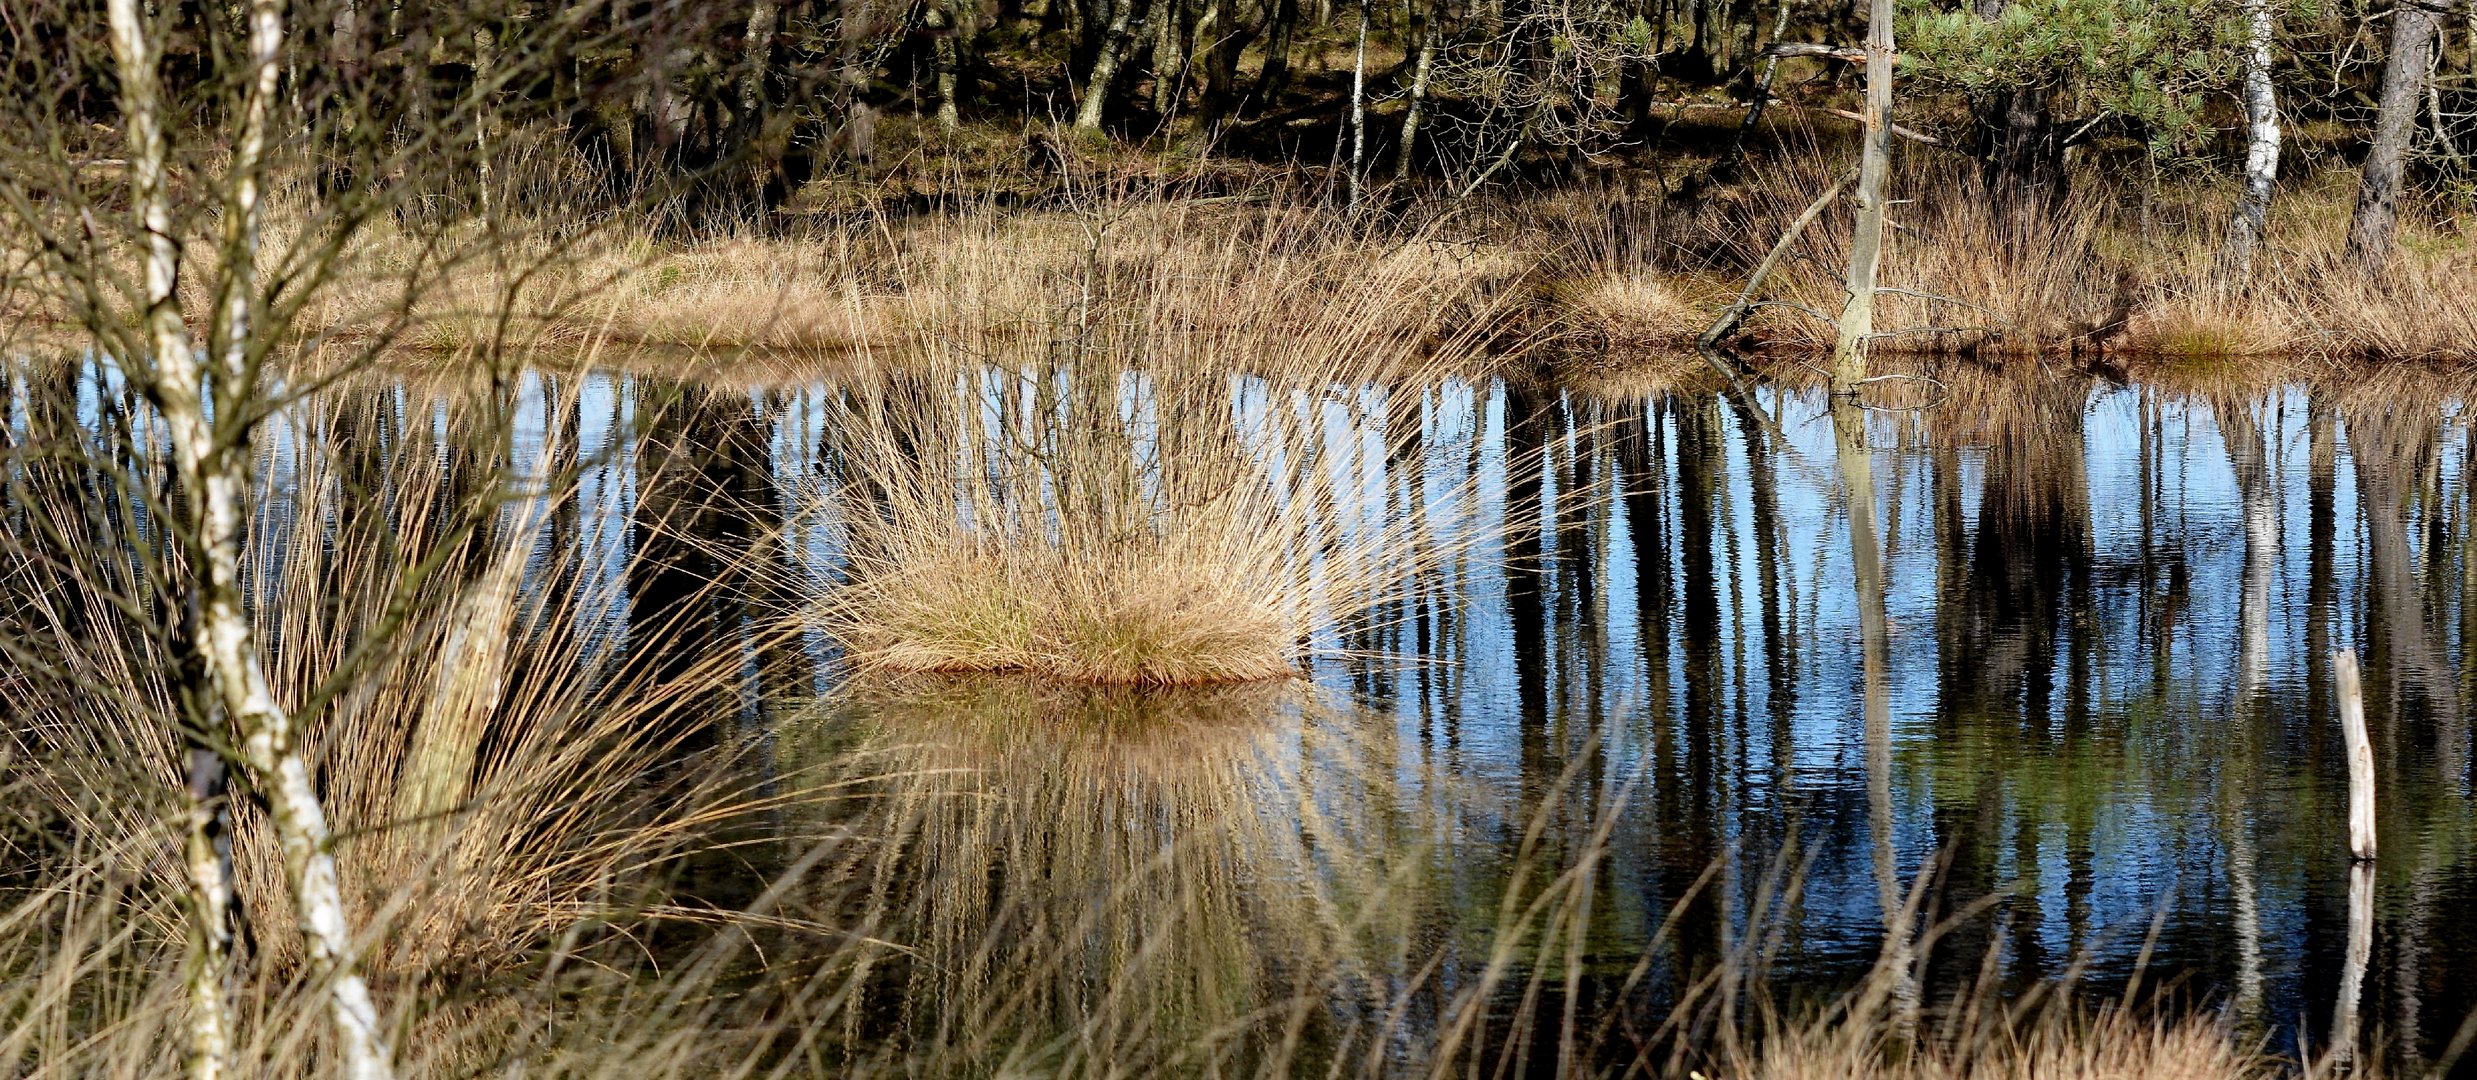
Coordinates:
column 2057, row 648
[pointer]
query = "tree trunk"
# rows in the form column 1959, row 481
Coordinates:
column 1217, row 81
column 1421, row 70
column 944, row 28
column 2020, row 152
column 758, row 55
column 1105, row 66
column 1358, row 105
column 1276, row 75
column 2378, row 190
column 209, row 854
column 1763, row 89
column 213, row 469
column 1866, row 246
column 2253, row 209
column 1169, row 59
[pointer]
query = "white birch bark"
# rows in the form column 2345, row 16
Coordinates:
column 2250, row 461
column 2253, row 208
column 213, row 469
column 210, row 943
column 1857, row 324
column 1358, row 105
column 2360, row 748
column 1421, row 71
column 1104, row 67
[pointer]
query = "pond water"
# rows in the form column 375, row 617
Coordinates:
column 2064, row 685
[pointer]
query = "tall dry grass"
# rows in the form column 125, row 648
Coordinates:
column 499, row 770
column 1151, row 469
column 2111, row 268
column 1078, row 882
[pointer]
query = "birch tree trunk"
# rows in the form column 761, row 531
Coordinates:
column 1358, row 105
column 2253, row 208
column 944, row 57
column 1866, row 247
column 1169, row 60
column 213, row 467
column 1104, row 67
column 1421, row 70
column 209, row 855
column 2377, row 218
column 757, row 46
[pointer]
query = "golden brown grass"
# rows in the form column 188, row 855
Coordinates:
column 1079, row 882
column 2110, row 1045
column 1161, row 474
column 494, row 775
column 2103, row 272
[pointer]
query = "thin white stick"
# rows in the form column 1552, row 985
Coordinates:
column 2360, row 755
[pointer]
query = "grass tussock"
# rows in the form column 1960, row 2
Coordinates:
column 2110, row 1045
column 2108, row 268
column 1180, row 477
column 496, row 776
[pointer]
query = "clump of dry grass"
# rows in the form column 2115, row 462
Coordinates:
column 1635, row 309
column 1959, row 274
column 1169, row 481
column 2110, row 1045
column 2107, row 269
column 496, row 776
column 826, row 286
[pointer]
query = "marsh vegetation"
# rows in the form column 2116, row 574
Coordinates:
column 1171, row 537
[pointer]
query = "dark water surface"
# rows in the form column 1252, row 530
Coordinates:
column 2085, row 691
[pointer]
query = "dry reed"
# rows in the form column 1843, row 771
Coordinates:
column 499, row 774
column 1166, row 472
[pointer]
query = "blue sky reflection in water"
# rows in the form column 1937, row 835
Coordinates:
column 2109, row 612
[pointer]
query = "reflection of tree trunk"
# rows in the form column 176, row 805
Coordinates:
column 1578, row 573
column 2030, row 556
column 2390, row 448
column 1689, row 807
column 2344, row 1035
column 701, row 499
column 2451, row 746
column 1528, row 423
column 2321, row 525
column 1647, row 522
column 1780, row 659
column 1866, row 560
column 2253, row 481
column 2261, row 512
